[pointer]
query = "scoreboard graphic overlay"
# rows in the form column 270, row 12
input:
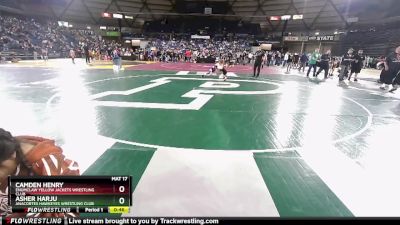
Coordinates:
column 70, row 194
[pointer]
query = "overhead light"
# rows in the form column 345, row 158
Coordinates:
column 103, row 28
column 70, row 25
column 335, row 32
column 117, row 15
column 316, row 33
column 88, row 27
column 63, row 24
column 129, row 17
column 106, row 14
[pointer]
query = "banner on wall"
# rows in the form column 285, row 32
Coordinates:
column 266, row 47
column 112, row 33
column 200, row 36
column 311, row 38
column 295, row 38
column 322, row 38
column 291, row 38
column 136, row 43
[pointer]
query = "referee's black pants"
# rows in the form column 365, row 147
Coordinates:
column 257, row 66
column 325, row 67
column 396, row 80
column 314, row 66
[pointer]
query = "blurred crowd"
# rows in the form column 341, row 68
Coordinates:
column 45, row 38
column 197, row 50
column 48, row 38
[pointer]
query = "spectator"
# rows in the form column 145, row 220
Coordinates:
column 324, row 63
column 391, row 70
column 29, row 156
column 347, row 59
column 303, row 61
column 313, row 62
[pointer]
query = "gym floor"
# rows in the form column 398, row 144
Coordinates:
column 280, row 145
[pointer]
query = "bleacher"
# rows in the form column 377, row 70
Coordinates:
column 374, row 43
column 208, row 25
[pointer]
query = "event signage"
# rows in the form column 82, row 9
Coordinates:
column 298, row 17
column 322, row 38
column 200, row 36
column 113, row 33
column 295, row 38
column 291, row 38
column 286, row 17
column 275, row 18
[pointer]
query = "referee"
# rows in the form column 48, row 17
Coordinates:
column 259, row 56
column 324, row 63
